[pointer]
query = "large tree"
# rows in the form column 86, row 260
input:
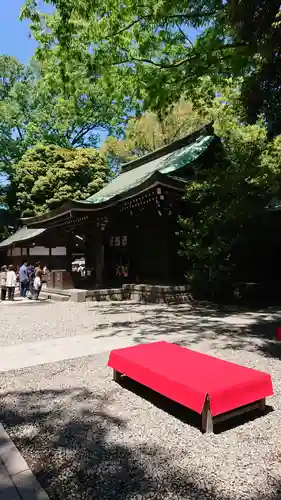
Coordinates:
column 46, row 176
column 152, row 131
column 14, row 90
column 229, row 222
column 38, row 106
column 146, row 46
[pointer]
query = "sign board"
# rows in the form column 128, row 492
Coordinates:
column 39, row 251
column 58, row 251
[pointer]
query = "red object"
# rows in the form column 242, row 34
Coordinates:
column 187, row 376
column 278, row 333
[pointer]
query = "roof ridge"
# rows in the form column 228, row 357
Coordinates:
column 169, row 148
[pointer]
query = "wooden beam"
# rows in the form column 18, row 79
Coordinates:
column 208, row 421
column 257, row 405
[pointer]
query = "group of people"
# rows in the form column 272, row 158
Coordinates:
column 27, row 276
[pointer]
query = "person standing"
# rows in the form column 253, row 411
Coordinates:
column 30, row 278
column 23, row 279
column 37, row 285
column 39, row 273
column 3, row 276
column 11, row 281
column 45, row 276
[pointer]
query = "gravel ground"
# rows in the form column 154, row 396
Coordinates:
column 25, row 322
column 208, row 327
column 86, row 438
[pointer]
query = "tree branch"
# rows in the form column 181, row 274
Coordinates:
column 19, row 132
column 184, row 35
column 178, row 130
column 70, row 132
column 136, row 21
column 158, row 65
column 182, row 61
column 82, row 133
column 6, row 160
column 181, row 17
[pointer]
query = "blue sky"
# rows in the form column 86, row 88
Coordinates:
column 14, row 39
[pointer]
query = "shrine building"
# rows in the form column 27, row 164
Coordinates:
column 130, row 228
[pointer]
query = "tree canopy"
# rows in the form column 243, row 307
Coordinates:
column 152, row 131
column 146, row 50
column 47, row 176
column 35, row 107
column 229, row 217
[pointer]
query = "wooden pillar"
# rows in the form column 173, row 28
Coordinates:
column 163, row 249
column 89, row 251
column 99, row 257
column 69, row 245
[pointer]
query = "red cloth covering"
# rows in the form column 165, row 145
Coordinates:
column 187, row 376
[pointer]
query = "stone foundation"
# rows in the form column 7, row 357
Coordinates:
column 155, row 294
column 158, row 294
column 104, row 294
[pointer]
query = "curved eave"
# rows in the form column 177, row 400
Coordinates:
column 54, row 214
column 68, row 209
column 13, row 240
column 15, row 243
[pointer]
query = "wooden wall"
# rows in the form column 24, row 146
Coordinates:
column 53, row 248
column 141, row 238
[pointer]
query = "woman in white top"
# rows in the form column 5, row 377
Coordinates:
column 11, row 281
column 37, row 285
column 3, row 274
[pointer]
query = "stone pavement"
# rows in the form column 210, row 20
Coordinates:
column 16, row 479
column 39, row 352
column 35, row 353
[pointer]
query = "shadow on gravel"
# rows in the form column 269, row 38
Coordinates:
column 229, row 327
column 79, row 454
column 182, row 413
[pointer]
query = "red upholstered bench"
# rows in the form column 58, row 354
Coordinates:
column 214, row 388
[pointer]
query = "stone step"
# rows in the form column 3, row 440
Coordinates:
column 54, row 296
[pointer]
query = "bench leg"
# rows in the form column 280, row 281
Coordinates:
column 206, row 418
column 262, row 404
column 116, row 376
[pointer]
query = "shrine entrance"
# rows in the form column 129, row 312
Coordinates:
column 117, row 260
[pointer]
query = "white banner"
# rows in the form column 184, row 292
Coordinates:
column 39, row 251
column 58, row 251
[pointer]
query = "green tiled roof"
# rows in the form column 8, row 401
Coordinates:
column 22, row 234
column 166, row 164
column 188, row 154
